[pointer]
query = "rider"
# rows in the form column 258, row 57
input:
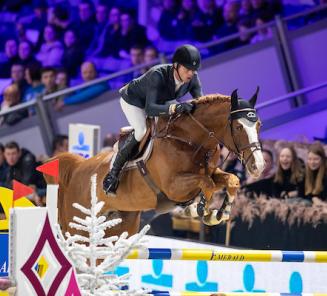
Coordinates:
column 154, row 94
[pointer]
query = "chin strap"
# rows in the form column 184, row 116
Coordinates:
column 176, row 68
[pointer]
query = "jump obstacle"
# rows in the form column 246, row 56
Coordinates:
column 223, row 255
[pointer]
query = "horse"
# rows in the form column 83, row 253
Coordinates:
column 183, row 164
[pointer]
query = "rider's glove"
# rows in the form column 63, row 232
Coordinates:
column 181, row 108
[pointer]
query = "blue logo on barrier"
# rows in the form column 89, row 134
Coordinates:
column 249, row 280
column 121, row 270
column 296, row 284
column 159, row 279
column 81, row 145
column 202, row 284
column 4, row 254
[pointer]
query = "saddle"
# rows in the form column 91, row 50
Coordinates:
column 143, row 151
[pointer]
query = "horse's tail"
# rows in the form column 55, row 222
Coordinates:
column 68, row 162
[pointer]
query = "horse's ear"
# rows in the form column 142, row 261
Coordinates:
column 234, row 100
column 253, row 100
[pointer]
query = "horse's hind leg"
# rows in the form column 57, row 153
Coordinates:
column 130, row 223
column 232, row 184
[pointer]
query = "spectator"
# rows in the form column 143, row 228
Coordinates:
column 131, row 34
column 137, row 58
column 263, row 33
column 25, row 53
column 38, row 21
column 101, row 17
column 185, row 18
column 245, row 37
column 150, row 54
column 3, row 166
column 62, row 79
column 168, row 22
column 207, row 20
column 21, row 166
column 261, row 7
column 48, row 79
column 51, row 51
column 231, row 16
column 245, row 10
column 58, row 16
column 89, row 73
column 11, row 52
column 316, row 173
column 73, row 55
column 33, row 77
column 288, row 180
column 85, row 25
column 59, row 144
column 18, row 77
column 11, row 98
column 109, row 40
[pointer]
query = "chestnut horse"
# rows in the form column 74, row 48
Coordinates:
column 183, row 164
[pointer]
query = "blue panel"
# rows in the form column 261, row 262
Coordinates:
column 293, row 256
column 155, row 253
column 4, row 254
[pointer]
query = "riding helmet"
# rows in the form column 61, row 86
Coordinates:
column 188, row 56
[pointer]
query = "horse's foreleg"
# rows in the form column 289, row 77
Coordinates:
column 184, row 184
column 232, row 184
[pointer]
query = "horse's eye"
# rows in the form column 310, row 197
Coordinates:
column 239, row 127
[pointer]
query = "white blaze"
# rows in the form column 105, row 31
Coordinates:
column 251, row 131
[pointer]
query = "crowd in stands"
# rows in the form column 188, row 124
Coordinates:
column 49, row 45
column 291, row 171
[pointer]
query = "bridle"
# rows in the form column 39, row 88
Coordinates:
column 238, row 151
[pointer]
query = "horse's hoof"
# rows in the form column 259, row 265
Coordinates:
column 191, row 211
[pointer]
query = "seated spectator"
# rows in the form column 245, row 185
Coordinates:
column 38, row 20
column 185, row 18
column 231, row 17
column 48, row 79
column 101, row 16
column 18, row 77
column 25, row 53
column 108, row 43
column 51, row 51
column 62, row 79
column 11, row 52
column 263, row 33
column 288, row 180
column 150, row 54
column 3, row 166
column 21, row 167
column 58, row 16
column 85, row 25
column 245, row 37
column 73, row 55
column 206, row 21
column 137, row 58
column 245, row 10
column 262, row 7
column 33, row 77
column 130, row 34
column 89, row 73
column 168, row 22
column 11, row 98
column 59, row 144
column 316, row 173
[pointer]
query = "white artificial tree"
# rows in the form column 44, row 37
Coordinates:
column 94, row 255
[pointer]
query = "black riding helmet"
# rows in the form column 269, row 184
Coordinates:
column 188, row 56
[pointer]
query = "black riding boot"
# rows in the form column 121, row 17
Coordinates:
column 111, row 180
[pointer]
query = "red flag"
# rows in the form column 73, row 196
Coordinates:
column 20, row 190
column 50, row 168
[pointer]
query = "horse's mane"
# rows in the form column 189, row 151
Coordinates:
column 212, row 98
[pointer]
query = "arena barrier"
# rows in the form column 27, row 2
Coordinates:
column 226, row 255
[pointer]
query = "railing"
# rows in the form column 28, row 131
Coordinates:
column 278, row 23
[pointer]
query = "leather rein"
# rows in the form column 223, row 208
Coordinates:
column 239, row 151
